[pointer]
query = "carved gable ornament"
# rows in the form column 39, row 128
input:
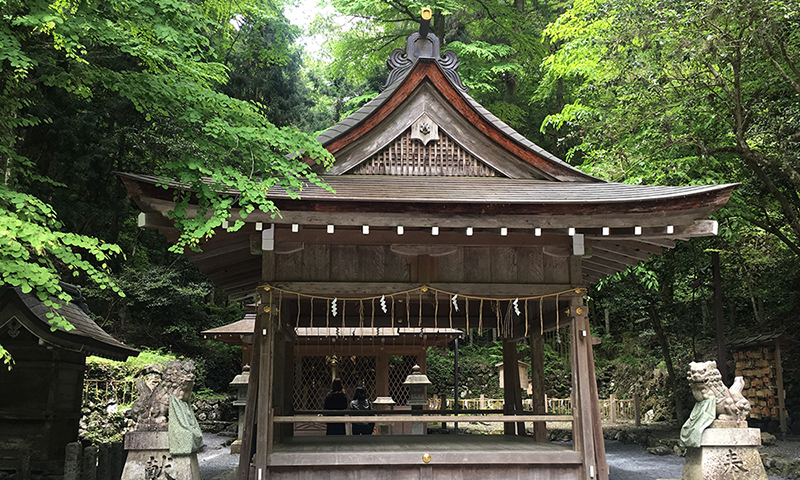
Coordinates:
column 417, row 46
column 425, row 129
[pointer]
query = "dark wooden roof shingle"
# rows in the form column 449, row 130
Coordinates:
column 87, row 335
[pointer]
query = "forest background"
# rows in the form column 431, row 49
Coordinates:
column 660, row 92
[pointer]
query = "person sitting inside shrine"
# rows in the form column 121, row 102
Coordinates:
column 361, row 402
column 336, row 400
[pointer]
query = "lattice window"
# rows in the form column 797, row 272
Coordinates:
column 408, row 157
column 314, row 382
column 316, row 375
column 400, row 368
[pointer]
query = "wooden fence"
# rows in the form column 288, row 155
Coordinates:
column 612, row 409
column 123, row 392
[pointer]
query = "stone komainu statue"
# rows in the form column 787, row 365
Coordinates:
column 706, row 383
column 155, row 385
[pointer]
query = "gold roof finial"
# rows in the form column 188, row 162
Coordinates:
column 427, row 13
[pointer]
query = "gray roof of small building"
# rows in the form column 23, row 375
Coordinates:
column 760, row 340
column 87, row 336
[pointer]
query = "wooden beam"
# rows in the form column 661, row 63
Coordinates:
column 417, row 238
column 600, row 247
column 153, row 220
column 635, row 245
column 356, row 214
column 504, row 290
column 594, row 267
column 434, row 418
column 698, row 228
column 208, row 253
column 605, row 262
column 615, row 257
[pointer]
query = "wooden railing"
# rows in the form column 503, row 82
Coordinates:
column 422, row 416
column 612, row 408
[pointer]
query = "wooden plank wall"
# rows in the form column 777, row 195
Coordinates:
column 377, row 263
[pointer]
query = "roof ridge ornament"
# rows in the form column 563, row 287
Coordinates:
column 423, row 44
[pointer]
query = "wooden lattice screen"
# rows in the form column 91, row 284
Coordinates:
column 410, row 157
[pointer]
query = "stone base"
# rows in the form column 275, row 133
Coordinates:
column 236, row 446
column 149, row 458
column 725, row 453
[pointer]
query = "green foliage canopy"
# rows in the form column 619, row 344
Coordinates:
column 687, row 93
column 159, row 56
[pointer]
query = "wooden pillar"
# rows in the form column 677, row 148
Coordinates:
column 382, row 373
column 588, row 403
column 781, row 392
column 249, row 434
column 637, row 410
column 612, row 412
column 599, row 443
column 265, row 411
column 582, row 399
column 537, row 382
column 287, row 405
column 511, row 390
column 257, row 434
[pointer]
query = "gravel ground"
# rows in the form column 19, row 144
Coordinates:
column 216, row 461
column 789, row 449
column 632, row 462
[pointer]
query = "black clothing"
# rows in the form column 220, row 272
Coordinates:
column 362, row 428
column 335, row 401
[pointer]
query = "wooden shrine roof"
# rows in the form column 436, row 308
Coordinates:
column 86, row 337
column 424, row 155
column 373, row 107
column 582, row 198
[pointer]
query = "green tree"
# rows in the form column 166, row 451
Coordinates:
column 688, row 92
column 157, row 57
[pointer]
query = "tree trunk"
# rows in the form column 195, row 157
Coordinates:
column 672, row 380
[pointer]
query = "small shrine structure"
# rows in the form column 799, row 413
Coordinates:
column 378, row 359
column 40, row 397
column 758, row 360
column 442, row 216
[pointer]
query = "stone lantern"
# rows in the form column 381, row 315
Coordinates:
column 240, row 383
column 416, row 396
column 384, row 403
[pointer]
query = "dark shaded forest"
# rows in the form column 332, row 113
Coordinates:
column 632, row 91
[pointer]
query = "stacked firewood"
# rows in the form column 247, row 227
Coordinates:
column 757, row 366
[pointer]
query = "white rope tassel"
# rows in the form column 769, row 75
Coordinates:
column 516, row 307
column 455, row 302
column 334, row 310
column 383, row 304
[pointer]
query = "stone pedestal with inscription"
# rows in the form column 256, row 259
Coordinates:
column 725, row 454
column 149, row 459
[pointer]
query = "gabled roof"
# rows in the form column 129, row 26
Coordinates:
column 424, row 67
column 86, row 337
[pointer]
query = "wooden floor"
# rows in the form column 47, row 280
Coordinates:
column 402, row 457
